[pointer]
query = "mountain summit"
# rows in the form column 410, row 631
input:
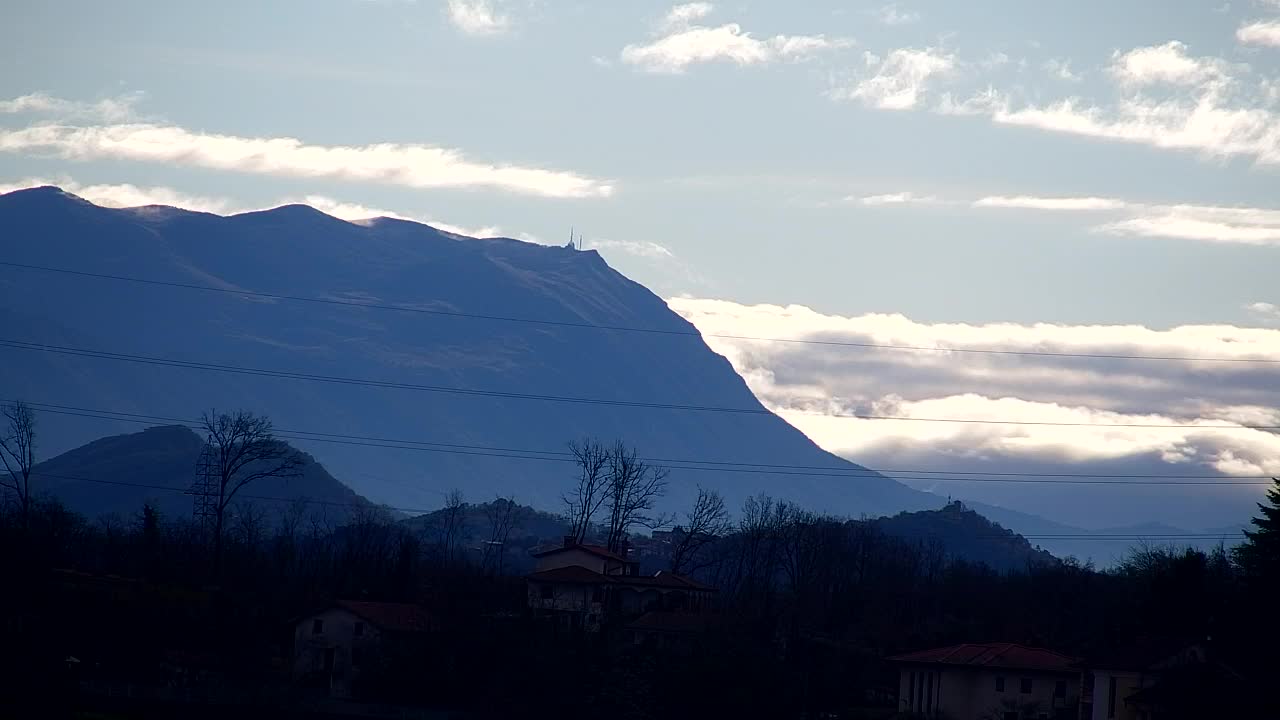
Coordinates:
column 419, row 429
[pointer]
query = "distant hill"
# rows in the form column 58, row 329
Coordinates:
column 963, row 533
column 966, row 535
column 118, row 474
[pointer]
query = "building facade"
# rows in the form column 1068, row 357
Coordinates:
column 993, row 681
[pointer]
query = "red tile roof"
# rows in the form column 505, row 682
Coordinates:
column 995, row 655
column 394, row 617
column 597, row 550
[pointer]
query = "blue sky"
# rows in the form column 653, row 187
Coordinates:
column 1089, row 165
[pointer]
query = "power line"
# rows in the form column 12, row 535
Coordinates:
column 675, row 464
column 622, row 328
column 366, row 382
column 311, row 501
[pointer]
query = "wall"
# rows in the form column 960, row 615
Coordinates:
column 970, row 693
column 569, row 598
column 1127, row 683
column 337, row 633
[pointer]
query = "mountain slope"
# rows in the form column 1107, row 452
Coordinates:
column 116, row 475
column 296, row 250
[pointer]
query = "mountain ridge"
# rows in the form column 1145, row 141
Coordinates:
column 307, row 253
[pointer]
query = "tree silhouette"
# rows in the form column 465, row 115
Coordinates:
column 1259, row 555
column 244, row 450
column 18, row 452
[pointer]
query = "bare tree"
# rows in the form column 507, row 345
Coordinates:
column 705, row 523
column 454, row 518
column 634, row 486
column 503, row 515
column 18, row 453
column 244, row 450
column 592, row 488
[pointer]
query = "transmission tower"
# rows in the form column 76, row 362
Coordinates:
column 205, row 489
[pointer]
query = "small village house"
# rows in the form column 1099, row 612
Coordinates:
column 583, row 586
column 332, row 647
column 1150, row 684
column 1001, row 681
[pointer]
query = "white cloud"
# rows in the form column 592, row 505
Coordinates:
column 891, row 15
column 114, row 109
column 1248, row 226
column 1061, row 69
column 410, row 165
column 1266, row 33
column 899, row 198
column 1203, row 107
column 686, row 44
column 901, row 78
column 1268, row 310
column 643, row 249
column 1165, row 98
column 682, row 16
column 1028, row 202
column 1165, row 64
column 1206, row 223
column 477, row 17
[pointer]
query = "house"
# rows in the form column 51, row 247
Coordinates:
column 333, row 646
column 1146, row 683
column 978, row 681
column 583, row 587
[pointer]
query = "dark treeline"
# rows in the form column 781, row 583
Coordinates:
column 808, row 605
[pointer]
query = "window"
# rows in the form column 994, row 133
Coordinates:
column 1011, row 715
column 355, row 657
column 1111, row 697
column 548, row 592
column 1060, row 690
column 359, row 632
column 317, row 627
column 1025, row 689
column 597, row 595
column 999, row 683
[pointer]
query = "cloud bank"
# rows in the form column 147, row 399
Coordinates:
column 813, row 385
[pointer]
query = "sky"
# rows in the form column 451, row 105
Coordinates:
column 1089, row 177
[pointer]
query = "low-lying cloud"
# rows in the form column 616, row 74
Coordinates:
column 1063, row 412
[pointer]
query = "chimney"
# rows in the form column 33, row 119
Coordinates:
column 570, row 541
